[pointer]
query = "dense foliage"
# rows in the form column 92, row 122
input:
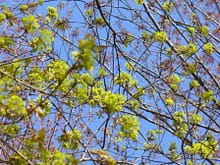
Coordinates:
column 110, row 82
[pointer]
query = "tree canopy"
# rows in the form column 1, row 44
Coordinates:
column 110, row 82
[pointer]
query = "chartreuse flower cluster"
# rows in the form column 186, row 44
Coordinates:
column 191, row 30
column 151, row 143
column 152, row 134
column 98, row 21
column 103, row 157
column 195, row 119
column 112, row 102
column 129, row 127
column 70, row 139
column 34, row 150
column 173, row 151
column 9, row 15
column 12, row 107
column 180, row 124
column 60, row 24
column 160, row 36
column 89, row 91
column 151, row 147
column 174, row 81
column 139, row 2
column 43, row 42
column 208, row 96
column 30, row 23
column 23, row 8
column 208, row 48
column 43, row 37
column 187, row 50
column 133, row 104
column 169, row 52
column 194, row 84
column 84, row 57
column 109, row 101
column 52, row 12
column 10, row 130
column 139, row 92
column 125, row 79
column 2, row 17
column 36, row 77
column 16, row 68
column 57, row 70
column 5, row 42
column 204, row 148
column 43, row 106
column 203, row 30
column 52, row 16
column 169, row 101
column 146, row 36
column 81, row 91
column 182, row 49
column 189, row 69
column 167, row 6
column 57, row 73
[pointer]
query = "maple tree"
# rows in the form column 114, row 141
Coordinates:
column 110, row 82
